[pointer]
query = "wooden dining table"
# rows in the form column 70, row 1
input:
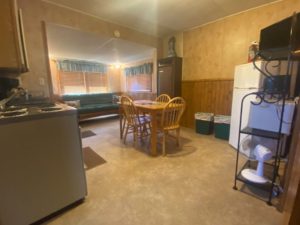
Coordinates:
column 153, row 108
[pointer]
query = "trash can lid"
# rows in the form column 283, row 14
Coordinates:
column 204, row 116
column 222, row 119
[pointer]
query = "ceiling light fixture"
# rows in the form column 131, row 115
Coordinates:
column 117, row 65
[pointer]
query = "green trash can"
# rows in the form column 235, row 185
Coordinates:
column 222, row 126
column 204, row 123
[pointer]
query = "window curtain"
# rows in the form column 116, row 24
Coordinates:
column 81, row 66
column 146, row 68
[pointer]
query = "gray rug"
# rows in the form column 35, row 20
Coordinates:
column 87, row 133
column 91, row 158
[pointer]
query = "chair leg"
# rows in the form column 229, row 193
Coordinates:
column 125, row 135
column 164, row 142
column 121, row 118
column 135, row 135
column 123, row 127
column 178, row 136
column 145, row 129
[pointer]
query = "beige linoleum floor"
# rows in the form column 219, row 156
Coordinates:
column 190, row 186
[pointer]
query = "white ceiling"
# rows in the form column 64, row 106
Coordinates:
column 160, row 17
column 64, row 42
column 154, row 17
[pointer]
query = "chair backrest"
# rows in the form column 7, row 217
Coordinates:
column 163, row 98
column 172, row 113
column 129, row 110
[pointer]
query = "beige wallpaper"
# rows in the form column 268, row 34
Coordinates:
column 212, row 51
column 36, row 11
column 208, row 52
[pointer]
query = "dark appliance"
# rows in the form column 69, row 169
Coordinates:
column 277, row 42
column 278, row 39
column 6, row 84
column 169, row 76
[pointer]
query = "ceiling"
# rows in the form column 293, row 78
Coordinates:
column 64, row 42
column 160, row 17
column 154, row 17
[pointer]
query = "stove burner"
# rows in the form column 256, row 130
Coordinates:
column 50, row 109
column 13, row 113
column 14, row 109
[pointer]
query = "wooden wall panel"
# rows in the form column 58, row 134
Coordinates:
column 187, row 93
column 290, row 199
column 206, row 96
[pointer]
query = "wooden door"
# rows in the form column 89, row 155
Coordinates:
column 8, row 47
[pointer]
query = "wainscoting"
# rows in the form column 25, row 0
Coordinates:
column 206, row 96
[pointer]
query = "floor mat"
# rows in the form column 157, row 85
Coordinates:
column 91, row 158
column 87, row 133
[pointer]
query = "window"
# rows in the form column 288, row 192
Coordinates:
column 81, row 77
column 82, row 82
column 140, row 82
column 139, row 78
column 96, row 82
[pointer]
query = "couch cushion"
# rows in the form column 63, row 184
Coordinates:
column 97, row 107
column 88, row 99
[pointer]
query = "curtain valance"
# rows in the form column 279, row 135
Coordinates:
column 146, row 68
column 67, row 65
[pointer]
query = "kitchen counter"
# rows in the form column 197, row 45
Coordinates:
column 30, row 112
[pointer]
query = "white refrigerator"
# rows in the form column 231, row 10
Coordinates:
column 247, row 79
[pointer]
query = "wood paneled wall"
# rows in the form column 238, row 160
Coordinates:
column 290, row 199
column 213, row 96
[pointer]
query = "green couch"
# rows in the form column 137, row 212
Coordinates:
column 91, row 105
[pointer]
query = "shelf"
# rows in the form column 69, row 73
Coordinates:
column 268, row 173
column 265, row 191
column 260, row 133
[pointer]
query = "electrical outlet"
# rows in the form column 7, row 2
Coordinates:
column 20, row 81
column 41, row 81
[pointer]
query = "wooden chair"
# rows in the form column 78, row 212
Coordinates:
column 170, row 119
column 163, row 98
column 135, row 123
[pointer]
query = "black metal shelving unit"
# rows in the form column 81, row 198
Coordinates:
column 272, row 175
column 274, row 166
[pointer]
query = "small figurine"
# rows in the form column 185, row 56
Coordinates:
column 171, row 44
column 253, row 49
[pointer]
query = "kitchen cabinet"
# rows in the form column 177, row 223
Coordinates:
column 13, row 60
column 169, row 76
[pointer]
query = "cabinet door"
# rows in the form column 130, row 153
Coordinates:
column 13, row 57
column 165, row 80
column 8, row 47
